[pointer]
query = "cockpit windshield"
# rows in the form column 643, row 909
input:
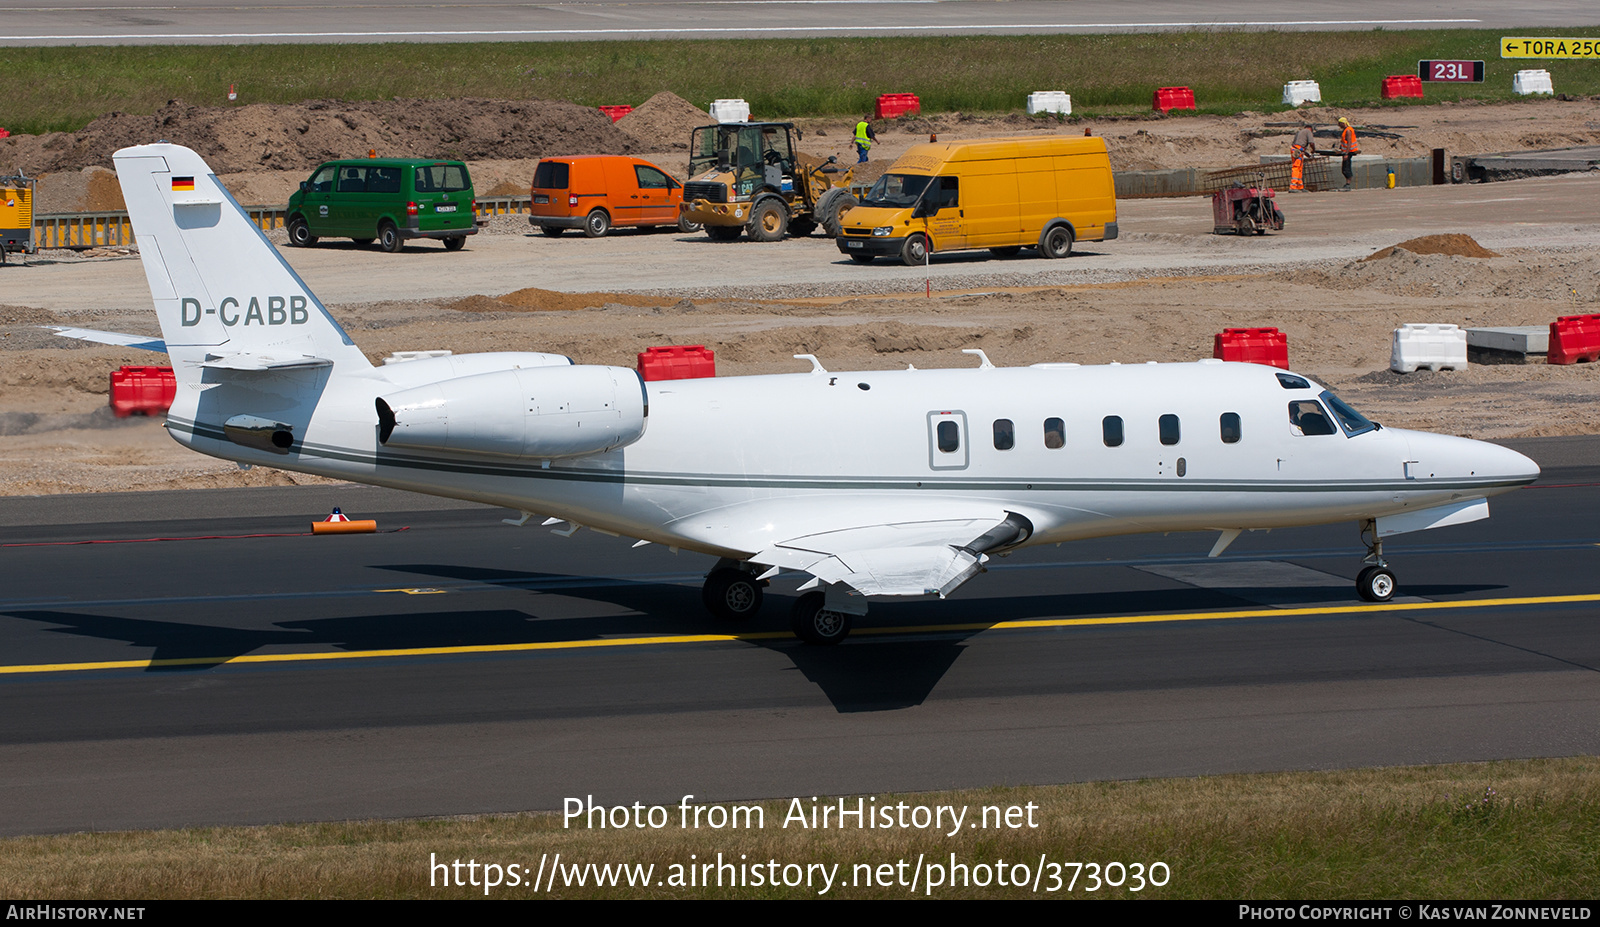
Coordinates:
column 1354, row 422
column 896, row 191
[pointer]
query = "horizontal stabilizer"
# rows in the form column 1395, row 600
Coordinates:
column 142, row 342
column 263, row 361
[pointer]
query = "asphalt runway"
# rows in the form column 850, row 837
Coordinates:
column 144, row 22
column 244, row 672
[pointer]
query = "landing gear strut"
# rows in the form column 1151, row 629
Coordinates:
column 732, row 593
column 1375, row 583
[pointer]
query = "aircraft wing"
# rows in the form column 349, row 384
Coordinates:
column 143, row 342
column 931, row 557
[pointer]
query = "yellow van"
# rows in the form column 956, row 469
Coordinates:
column 1004, row 194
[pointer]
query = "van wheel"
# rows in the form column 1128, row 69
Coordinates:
column 687, row 227
column 597, row 224
column 455, row 244
column 300, row 234
column 1007, row 251
column 769, row 222
column 914, row 253
column 389, row 238
column 551, row 231
column 1056, row 242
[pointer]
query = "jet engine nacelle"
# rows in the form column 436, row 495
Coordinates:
column 539, row 412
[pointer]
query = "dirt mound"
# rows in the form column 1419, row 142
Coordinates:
column 533, row 299
column 270, row 136
column 1458, row 245
column 664, row 121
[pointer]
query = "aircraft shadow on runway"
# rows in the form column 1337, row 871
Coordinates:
column 875, row 673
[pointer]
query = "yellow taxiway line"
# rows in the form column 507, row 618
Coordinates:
column 1375, row 608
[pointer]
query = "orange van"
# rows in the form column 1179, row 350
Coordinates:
column 598, row 192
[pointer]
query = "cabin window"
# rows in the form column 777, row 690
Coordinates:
column 1306, row 417
column 322, row 181
column 1230, row 428
column 1111, row 430
column 1169, row 430
column 950, row 437
column 1055, row 433
column 383, row 180
column 1005, row 434
column 352, row 180
column 650, row 178
column 551, row 175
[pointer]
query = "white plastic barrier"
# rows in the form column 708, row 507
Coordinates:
column 1535, row 81
column 1050, row 101
column 730, row 110
column 1436, row 347
column 1296, row 92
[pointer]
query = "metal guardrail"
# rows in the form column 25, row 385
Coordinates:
column 112, row 229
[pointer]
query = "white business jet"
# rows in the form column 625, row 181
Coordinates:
column 881, row 483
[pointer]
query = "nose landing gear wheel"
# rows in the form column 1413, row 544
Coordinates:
column 815, row 624
column 1375, row 584
column 732, row 595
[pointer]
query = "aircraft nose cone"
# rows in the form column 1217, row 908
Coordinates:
column 1445, row 456
column 1515, row 466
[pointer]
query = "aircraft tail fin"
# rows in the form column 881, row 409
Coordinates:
column 223, row 294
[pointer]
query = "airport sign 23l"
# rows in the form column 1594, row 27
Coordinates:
column 1518, row 47
column 1469, row 72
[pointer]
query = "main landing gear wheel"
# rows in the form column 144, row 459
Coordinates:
column 1375, row 584
column 813, row 623
column 732, row 595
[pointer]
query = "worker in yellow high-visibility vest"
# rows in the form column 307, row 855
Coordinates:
column 864, row 139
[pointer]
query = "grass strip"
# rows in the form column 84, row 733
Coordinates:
column 1511, row 829
column 63, row 88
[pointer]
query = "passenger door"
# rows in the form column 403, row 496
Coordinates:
column 947, row 440
column 319, row 199
column 347, row 206
column 654, row 196
column 941, row 206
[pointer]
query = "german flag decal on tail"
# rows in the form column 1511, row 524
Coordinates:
column 183, row 184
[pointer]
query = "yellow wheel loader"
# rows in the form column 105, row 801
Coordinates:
column 749, row 177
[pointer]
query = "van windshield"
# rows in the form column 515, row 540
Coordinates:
column 896, row 191
column 442, row 178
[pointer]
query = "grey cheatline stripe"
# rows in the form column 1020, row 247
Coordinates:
column 927, row 483
column 1264, row 582
column 746, row 30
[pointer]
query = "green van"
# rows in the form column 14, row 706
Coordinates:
column 388, row 200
